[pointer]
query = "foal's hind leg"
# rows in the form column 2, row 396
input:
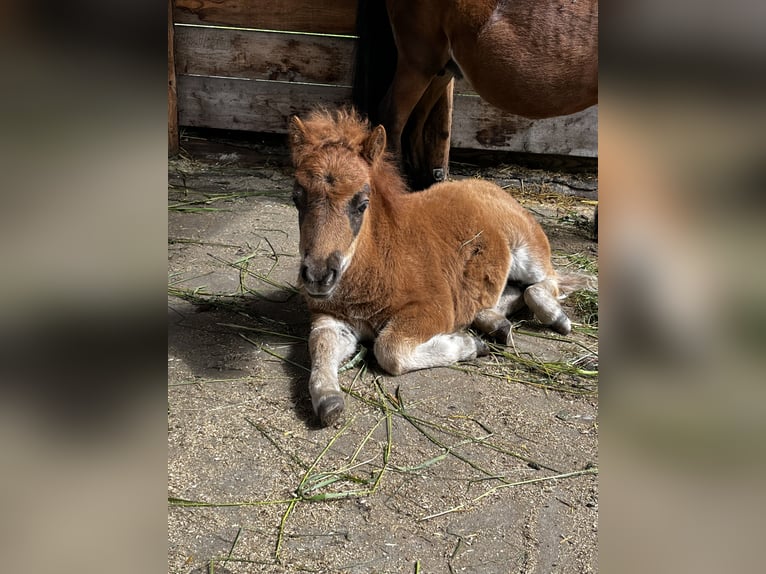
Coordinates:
column 542, row 298
column 494, row 321
column 399, row 357
column 405, row 345
column 531, row 266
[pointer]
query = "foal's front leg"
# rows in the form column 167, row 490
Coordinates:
column 330, row 343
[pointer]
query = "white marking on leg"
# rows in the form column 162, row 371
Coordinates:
column 439, row 351
column 331, row 341
column 542, row 299
column 524, row 268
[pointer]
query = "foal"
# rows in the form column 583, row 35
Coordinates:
column 407, row 271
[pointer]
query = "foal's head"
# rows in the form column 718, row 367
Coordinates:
column 333, row 155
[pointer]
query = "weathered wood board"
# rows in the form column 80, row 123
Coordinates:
column 324, row 17
column 250, row 65
column 252, row 105
column 478, row 125
column 172, row 89
column 288, row 57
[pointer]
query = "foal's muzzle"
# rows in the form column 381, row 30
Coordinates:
column 320, row 277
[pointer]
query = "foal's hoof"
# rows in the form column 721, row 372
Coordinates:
column 330, row 409
column 482, row 350
column 562, row 325
column 502, row 334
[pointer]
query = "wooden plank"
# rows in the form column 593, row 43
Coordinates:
column 478, row 125
column 325, row 17
column 172, row 101
column 463, row 87
column 264, row 55
column 251, row 105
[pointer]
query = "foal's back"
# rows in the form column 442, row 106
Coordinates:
column 460, row 209
column 463, row 241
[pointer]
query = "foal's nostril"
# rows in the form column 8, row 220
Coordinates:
column 305, row 273
column 329, row 279
column 313, row 275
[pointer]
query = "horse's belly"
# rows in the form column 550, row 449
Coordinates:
column 537, row 91
column 533, row 68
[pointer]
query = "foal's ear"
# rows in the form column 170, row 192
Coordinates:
column 297, row 132
column 375, row 144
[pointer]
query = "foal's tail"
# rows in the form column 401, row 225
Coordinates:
column 571, row 282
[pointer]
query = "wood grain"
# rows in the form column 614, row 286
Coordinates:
column 251, row 105
column 261, row 106
column 325, row 17
column 264, row 55
column 476, row 124
column 172, row 91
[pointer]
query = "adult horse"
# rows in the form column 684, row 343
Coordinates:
column 407, row 271
column 533, row 58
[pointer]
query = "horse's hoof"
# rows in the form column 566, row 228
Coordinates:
column 502, row 334
column 330, row 409
column 562, row 325
column 482, row 350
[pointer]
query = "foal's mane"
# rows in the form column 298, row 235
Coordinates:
column 345, row 128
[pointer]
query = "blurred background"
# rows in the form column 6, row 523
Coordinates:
column 682, row 183
column 83, row 151
column 82, row 298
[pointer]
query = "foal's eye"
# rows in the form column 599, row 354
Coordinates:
column 299, row 196
column 361, row 200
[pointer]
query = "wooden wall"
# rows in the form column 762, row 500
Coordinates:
column 477, row 125
column 250, row 64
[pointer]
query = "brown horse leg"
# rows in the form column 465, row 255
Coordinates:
column 542, row 298
column 494, row 322
column 330, row 342
column 401, row 347
column 403, row 95
column 428, row 133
